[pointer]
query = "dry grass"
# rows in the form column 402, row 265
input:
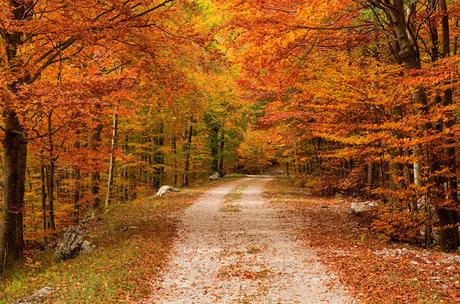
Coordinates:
column 234, row 195
column 229, row 205
column 230, row 208
column 238, row 270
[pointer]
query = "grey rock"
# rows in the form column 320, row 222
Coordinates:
column 86, row 247
column 38, row 297
column 70, row 244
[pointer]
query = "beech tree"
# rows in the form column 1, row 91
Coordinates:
column 105, row 100
column 351, row 101
column 36, row 36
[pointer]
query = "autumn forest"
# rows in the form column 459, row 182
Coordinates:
column 317, row 105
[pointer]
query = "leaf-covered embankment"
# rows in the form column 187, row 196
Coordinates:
column 374, row 270
column 133, row 242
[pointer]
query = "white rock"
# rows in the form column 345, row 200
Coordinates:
column 216, row 176
column 165, row 189
column 360, row 207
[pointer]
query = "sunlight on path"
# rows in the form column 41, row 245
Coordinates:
column 233, row 248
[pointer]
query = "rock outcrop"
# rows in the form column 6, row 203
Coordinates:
column 72, row 243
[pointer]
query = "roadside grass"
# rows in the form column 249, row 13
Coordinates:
column 372, row 269
column 133, row 242
column 235, row 175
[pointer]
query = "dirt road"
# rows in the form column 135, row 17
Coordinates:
column 233, row 248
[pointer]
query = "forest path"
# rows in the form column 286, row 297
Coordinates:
column 234, row 248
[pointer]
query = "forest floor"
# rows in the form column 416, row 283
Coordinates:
column 234, row 248
column 133, row 242
column 249, row 240
column 373, row 269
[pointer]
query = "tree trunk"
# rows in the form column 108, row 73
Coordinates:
column 50, row 174
column 188, row 147
column 408, row 52
column 213, row 141
column 174, row 151
column 50, row 189
column 456, row 36
column 43, row 195
column 15, row 148
column 371, row 174
column 125, row 188
column 113, row 145
column 445, row 28
column 76, row 195
column 14, row 170
column 159, row 158
column 221, row 152
column 449, row 238
column 433, row 27
column 95, row 175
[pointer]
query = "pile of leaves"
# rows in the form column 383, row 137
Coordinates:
column 373, row 269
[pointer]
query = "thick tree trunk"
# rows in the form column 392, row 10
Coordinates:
column 371, row 174
column 448, row 236
column 15, row 148
column 449, row 239
column 408, row 52
column 449, row 216
column 50, row 170
column 14, row 166
column 445, row 28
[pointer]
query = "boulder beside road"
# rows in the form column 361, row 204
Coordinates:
column 359, row 208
